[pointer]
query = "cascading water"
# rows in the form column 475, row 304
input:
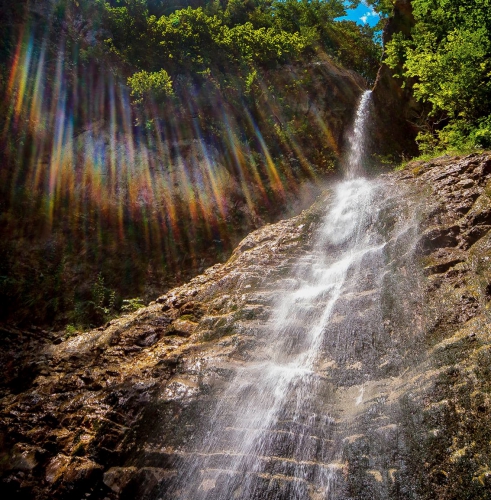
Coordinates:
column 358, row 139
column 277, row 431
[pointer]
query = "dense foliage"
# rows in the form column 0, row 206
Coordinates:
column 447, row 61
column 231, row 37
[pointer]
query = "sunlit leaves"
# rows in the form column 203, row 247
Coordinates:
column 382, row 7
column 245, row 33
column 144, row 83
column 452, row 74
column 448, row 54
column 261, row 45
column 447, row 58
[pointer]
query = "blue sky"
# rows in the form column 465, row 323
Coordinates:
column 362, row 14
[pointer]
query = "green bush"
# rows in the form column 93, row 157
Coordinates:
column 458, row 136
column 143, row 83
column 102, row 307
column 71, row 331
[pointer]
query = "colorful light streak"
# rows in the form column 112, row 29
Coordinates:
column 172, row 187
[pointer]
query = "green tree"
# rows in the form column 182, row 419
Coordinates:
column 447, row 60
column 293, row 15
column 354, row 47
column 127, row 21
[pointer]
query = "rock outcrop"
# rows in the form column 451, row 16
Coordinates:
column 95, row 398
column 107, row 414
column 396, row 113
column 445, row 411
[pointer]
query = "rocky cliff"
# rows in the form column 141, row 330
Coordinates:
column 396, row 112
column 111, row 413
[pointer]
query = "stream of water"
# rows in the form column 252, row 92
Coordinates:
column 274, row 419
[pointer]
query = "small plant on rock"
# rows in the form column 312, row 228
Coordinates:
column 131, row 305
column 70, row 331
column 103, row 301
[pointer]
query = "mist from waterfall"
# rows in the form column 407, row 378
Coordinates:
column 274, row 418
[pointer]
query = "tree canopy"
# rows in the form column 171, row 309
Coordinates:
column 447, row 61
column 226, row 36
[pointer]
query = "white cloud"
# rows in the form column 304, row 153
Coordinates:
column 371, row 13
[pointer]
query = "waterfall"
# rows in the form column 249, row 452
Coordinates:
column 358, row 138
column 275, row 433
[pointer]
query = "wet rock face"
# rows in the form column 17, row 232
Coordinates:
column 77, row 414
column 444, row 418
column 111, row 413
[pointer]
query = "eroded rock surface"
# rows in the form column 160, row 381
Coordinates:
column 108, row 414
column 75, row 411
column 445, row 415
